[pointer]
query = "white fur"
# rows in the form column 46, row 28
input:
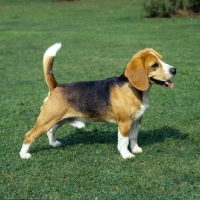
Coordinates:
column 52, row 50
column 112, row 121
column 24, row 151
column 51, row 135
column 166, row 69
column 123, row 146
column 77, row 124
column 135, row 126
column 165, row 66
column 123, row 142
column 133, row 138
column 47, row 97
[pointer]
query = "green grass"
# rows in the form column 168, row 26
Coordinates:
column 99, row 38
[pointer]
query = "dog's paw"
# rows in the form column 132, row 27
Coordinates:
column 126, row 154
column 137, row 149
column 56, row 144
column 25, row 155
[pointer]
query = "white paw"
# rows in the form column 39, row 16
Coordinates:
column 137, row 149
column 25, row 155
column 56, row 144
column 126, row 154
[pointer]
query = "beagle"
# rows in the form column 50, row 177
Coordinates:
column 121, row 100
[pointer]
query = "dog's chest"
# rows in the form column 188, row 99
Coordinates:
column 144, row 105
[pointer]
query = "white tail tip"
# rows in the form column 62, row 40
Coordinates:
column 52, row 50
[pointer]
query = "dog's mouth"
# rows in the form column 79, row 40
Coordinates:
column 167, row 83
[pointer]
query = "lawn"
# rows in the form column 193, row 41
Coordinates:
column 98, row 38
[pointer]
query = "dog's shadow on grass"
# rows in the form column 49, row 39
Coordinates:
column 160, row 135
column 145, row 138
column 110, row 137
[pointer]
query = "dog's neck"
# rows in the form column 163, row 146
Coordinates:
column 145, row 97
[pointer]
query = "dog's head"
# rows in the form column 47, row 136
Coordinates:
column 147, row 67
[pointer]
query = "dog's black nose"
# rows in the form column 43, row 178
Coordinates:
column 173, row 70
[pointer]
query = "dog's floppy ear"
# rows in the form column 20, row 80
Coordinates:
column 136, row 74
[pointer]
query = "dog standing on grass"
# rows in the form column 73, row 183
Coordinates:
column 121, row 100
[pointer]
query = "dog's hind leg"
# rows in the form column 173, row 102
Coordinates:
column 38, row 130
column 51, row 134
column 46, row 120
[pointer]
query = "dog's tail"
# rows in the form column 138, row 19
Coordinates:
column 48, row 65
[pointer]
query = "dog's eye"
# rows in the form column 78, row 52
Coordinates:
column 154, row 66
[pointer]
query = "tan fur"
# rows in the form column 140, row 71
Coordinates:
column 125, row 100
column 125, row 104
column 49, row 77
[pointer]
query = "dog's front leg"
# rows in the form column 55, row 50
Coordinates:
column 133, row 138
column 123, row 140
